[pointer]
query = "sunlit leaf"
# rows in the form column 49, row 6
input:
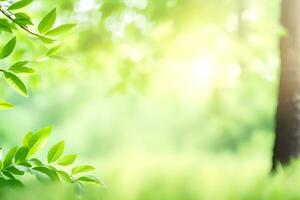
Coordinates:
column 5, row 26
column 47, row 22
column 60, row 29
column 67, row 160
column 46, row 39
column 9, row 157
column 5, row 105
column 8, row 48
column 38, row 140
column 21, row 154
column 82, row 168
column 53, row 50
column 22, row 70
column 16, row 83
column 19, row 4
column 26, row 138
column 66, row 177
column 55, row 152
column 22, row 19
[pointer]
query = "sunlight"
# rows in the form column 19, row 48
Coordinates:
column 203, row 71
column 85, row 5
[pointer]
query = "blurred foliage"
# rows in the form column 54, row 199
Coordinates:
column 155, row 77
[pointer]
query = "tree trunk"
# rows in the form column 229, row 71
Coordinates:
column 287, row 139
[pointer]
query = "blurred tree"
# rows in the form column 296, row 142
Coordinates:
column 287, row 145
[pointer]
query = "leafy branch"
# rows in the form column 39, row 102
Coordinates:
column 46, row 34
column 19, row 160
column 10, row 17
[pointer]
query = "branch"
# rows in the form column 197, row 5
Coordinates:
column 5, row 13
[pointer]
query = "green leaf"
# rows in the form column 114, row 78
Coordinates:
column 67, row 160
column 19, row 4
column 55, row 152
column 25, row 164
column 82, row 168
column 47, row 22
column 60, row 29
column 21, row 154
column 9, row 157
column 14, row 170
column 5, row 26
column 8, row 174
column 8, row 48
column 22, row 19
column 90, row 179
column 5, row 105
column 26, row 139
column 38, row 140
column 19, row 64
column 46, row 39
column 16, row 83
column 50, row 173
column 66, row 177
column 53, row 50
column 35, row 162
column 22, row 70
column 79, row 188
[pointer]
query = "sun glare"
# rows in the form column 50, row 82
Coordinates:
column 203, row 71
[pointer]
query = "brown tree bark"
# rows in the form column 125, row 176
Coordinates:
column 287, row 139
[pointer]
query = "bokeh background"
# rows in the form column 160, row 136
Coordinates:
column 169, row 99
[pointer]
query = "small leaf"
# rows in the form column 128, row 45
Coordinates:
column 35, row 162
column 38, row 140
column 46, row 39
column 22, row 19
column 19, row 4
column 8, row 48
column 21, row 154
column 5, row 105
column 47, row 22
column 55, row 152
column 25, row 164
column 14, row 170
column 22, row 70
column 51, row 174
column 90, row 179
column 67, row 160
column 16, row 83
column 66, row 177
column 13, row 183
column 9, row 157
column 53, row 50
column 60, row 29
column 79, row 188
column 82, row 168
column 27, row 138
column 8, row 174
column 5, row 26
column 20, row 64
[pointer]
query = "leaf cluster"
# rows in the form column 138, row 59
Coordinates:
column 58, row 167
column 15, row 18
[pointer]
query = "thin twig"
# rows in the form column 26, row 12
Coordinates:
column 21, row 26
